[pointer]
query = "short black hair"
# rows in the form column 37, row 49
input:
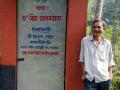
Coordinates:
column 99, row 20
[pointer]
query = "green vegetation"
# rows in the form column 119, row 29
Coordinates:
column 116, row 70
column 111, row 15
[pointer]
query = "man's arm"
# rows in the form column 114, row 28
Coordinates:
column 111, row 62
column 81, row 59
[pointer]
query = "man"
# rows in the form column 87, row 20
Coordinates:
column 96, row 58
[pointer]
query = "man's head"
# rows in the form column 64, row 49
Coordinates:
column 97, row 27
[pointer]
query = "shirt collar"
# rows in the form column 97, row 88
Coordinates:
column 92, row 39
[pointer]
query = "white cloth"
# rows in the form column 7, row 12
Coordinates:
column 97, row 59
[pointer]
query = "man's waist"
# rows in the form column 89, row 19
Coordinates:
column 97, row 78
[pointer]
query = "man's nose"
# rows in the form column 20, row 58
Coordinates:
column 97, row 29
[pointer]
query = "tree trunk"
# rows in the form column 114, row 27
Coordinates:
column 98, row 11
column 115, row 25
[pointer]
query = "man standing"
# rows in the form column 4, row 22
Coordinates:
column 96, row 58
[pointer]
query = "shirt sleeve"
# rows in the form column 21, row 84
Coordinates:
column 111, row 61
column 81, row 56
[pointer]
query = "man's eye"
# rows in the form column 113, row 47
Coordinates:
column 99, row 27
column 96, row 27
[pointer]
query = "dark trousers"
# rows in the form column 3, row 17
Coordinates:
column 91, row 85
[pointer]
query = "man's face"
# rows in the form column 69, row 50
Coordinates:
column 97, row 29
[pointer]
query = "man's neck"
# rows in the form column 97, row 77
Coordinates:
column 97, row 40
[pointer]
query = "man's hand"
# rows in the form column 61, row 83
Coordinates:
column 83, row 75
column 110, row 72
column 83, row 72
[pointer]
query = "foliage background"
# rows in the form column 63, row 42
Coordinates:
column 111, row 15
